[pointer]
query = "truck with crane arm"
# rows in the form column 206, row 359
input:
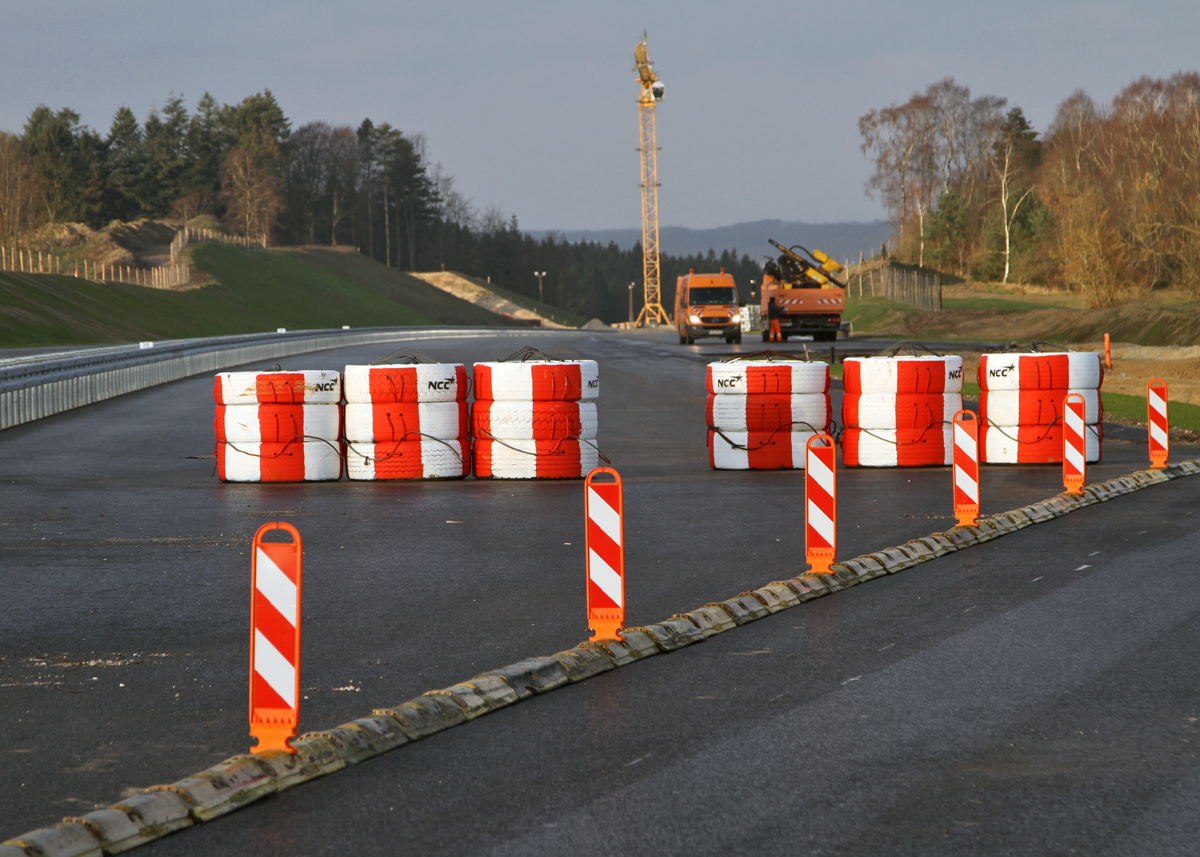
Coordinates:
column 808, row 300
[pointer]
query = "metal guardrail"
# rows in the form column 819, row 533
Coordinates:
column 36, row 386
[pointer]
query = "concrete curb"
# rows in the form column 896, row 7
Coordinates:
column 246, row 778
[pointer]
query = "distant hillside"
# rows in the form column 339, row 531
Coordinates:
column 253, row 292
column 839, row 240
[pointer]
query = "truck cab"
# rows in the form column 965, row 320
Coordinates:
column 707, row 305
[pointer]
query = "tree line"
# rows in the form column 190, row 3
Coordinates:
column 373, row 187
column 1106, row 201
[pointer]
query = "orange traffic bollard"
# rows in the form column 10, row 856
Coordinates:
column 604, row 544
column 275, row 639
column 1156, row 423
column 1107, row 352
column 820, row 494
column 966, row 468
column 1074, row 443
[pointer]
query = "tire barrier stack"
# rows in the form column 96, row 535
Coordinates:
column 407, row 421
column 278, row 426
column 761, row 412
column 897, row 410
column 531, row 419
column 1021, row 405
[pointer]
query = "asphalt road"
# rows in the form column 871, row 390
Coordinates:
column 1037, row 694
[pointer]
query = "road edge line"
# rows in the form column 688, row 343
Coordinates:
column 246, row 778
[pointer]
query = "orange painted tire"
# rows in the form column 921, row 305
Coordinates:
column 730, row 412
column 409, row 459
column 757, row 450
column 1034, row 444
column 897, row 447
column 277, row 423
column 314, row 461
column 930, row 374
column 308, row 387
column 534, row 420
column 534, row 459
column 768, row 377
column 1035, row 407
column 406, row 383
column 906, row 411
column 1068, row 370
column 537, row 381
column 392, row 421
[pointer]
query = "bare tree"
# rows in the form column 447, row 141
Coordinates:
column 21, row 204
column 249, row 192
column 938, row 141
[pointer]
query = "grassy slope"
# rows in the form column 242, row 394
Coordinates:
column 253, row 292
column 555, row 314
column 1123, row 408
column 1001, row 319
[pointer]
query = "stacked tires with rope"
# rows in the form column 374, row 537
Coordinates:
column 761, row 413
column 1021, row 405
column 407, row 421
column 897, row 411
column 533, row 419
column 278, row 426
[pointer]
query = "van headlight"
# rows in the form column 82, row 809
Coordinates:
column 694, row 319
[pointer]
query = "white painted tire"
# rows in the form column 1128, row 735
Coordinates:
column 277, row 423
column 307, row 387
column 406, row 384
column 929, row 374
column 730, row 412
column 899, row 410
column 1035, row 407
column 757, row 450
column 534, row 420
column 392, row 421
column 537, row 381
column 409, row 459
column 897, row 447
column 1066, row 370
column 311, row 461
column 768, row 377
column 534, row 459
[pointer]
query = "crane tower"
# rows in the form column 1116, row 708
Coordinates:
column 652, row 92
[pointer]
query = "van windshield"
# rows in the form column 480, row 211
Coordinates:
column 712, row 295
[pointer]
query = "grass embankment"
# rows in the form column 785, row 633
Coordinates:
column 1024, row 318
column 252, row 292
column 1131, row 410
column 555, row 314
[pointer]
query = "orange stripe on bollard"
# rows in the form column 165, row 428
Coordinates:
column 820, row 506
column 275, row 639
column 1157, row 426
column 1074, row 443
column 604, row 545
column 966, row 468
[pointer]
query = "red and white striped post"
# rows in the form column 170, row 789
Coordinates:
column 275, row 639
column 820, row 493
column 1074, row 443
column 604, row 544
column 966, row 468
column 1156, row 423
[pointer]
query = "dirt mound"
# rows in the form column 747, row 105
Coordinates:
column 58, row 236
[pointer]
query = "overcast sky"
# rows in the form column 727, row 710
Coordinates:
column 532, row 105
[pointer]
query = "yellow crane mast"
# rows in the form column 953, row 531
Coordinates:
column 652, row 92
